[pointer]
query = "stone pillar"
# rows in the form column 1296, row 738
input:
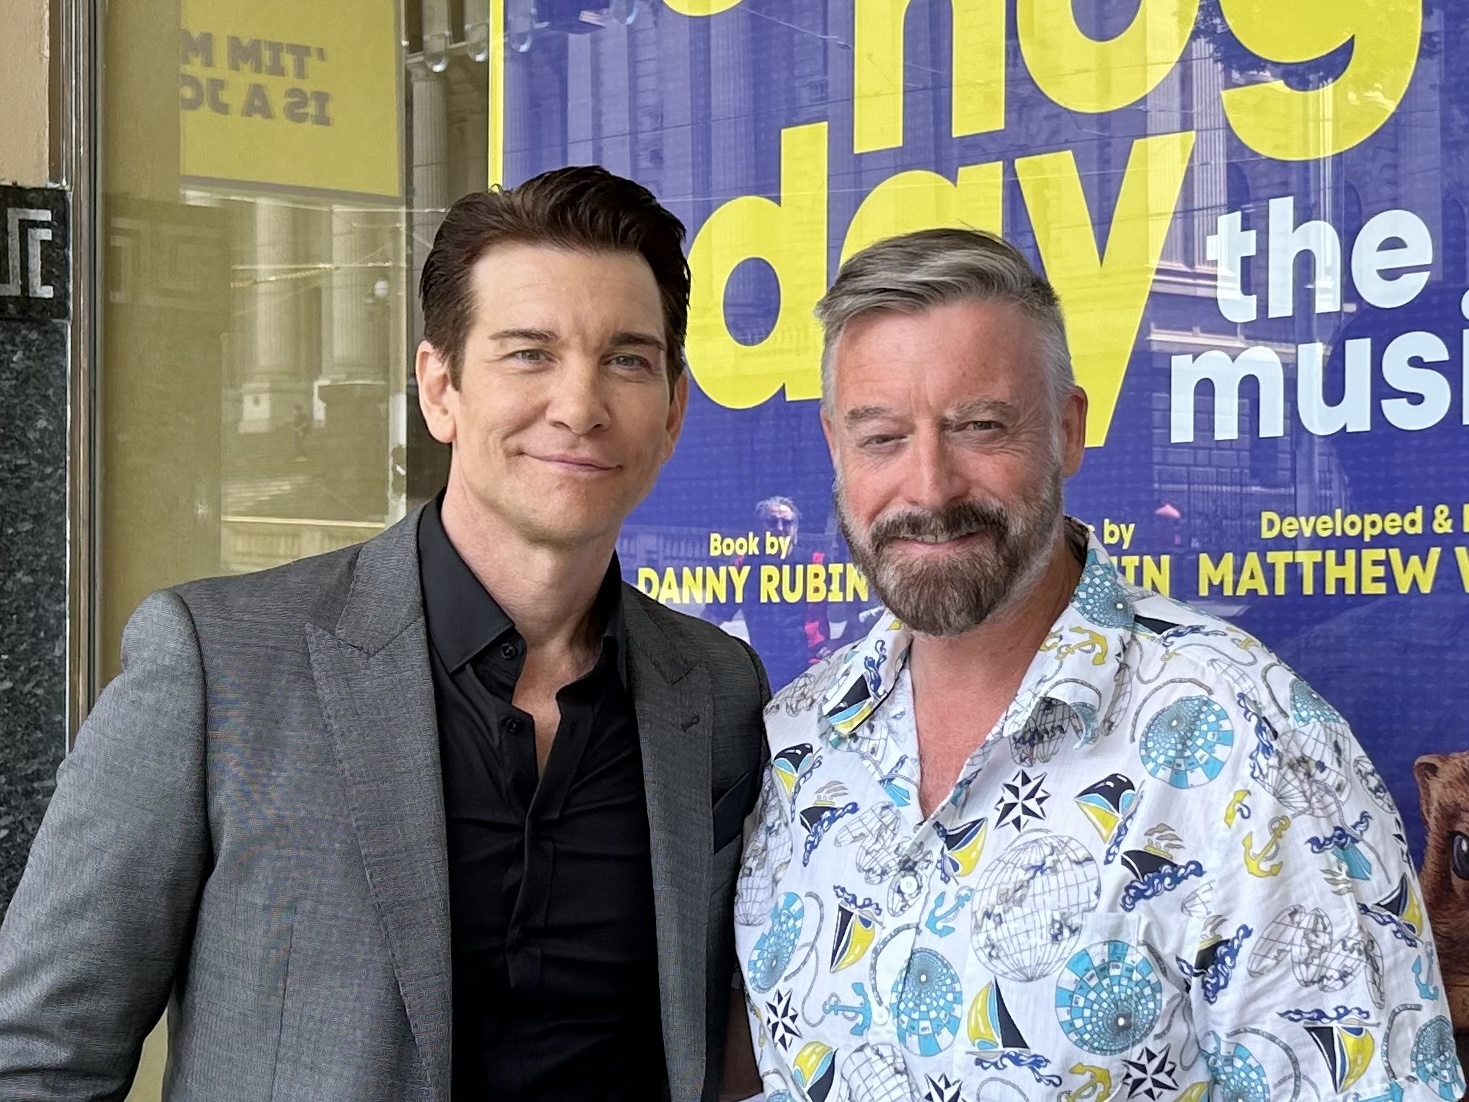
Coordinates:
column 34, row 312
column 429, row 466
column 731, row 108
column 352, row 395
column 272, row 386
column 356, row 345
column 430, row 171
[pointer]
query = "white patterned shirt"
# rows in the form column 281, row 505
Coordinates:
column 1168, row 873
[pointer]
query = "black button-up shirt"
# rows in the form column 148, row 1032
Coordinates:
column 555, row 969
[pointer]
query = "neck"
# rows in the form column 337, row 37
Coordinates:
column 1000, row 650
column 548, row 591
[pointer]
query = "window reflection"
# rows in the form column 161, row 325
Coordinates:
column 255, row 381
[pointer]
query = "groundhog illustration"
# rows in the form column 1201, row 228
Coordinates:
column 1443, row 795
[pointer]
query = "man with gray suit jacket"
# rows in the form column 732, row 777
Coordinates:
column 452, row 815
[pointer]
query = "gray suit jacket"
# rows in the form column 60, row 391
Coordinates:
column 250, row 832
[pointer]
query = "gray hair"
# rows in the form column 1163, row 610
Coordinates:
column 765, row 508
column 914, row 272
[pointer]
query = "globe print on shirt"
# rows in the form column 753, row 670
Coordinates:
column 1028, row 905
column 1166, row 874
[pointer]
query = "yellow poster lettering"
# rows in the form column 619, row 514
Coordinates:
column 791, row 237
column 700, row 8
column 836, row 572
column 1414, row 571
column 1081, row 73
column 1219, row 574
column 693, row 583
column 769, row 583
column 1157, row 571
column 1308, row 560
column 1341, row 570
column 1461, row 555
column 921, row 199
column 716, row 585
column 1251, row 578
column 879, row 58
column 1289, row 125
column 1103, row 293
column 1279, row 560
column 791, row 578
column 816, row 582
column 1374, row 571
column 1158, row 574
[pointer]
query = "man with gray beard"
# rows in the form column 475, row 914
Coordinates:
column 1044, row 834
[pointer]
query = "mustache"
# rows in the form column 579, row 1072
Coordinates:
column 961, row 518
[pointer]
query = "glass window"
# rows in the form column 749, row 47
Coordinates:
column 273, row 176
column 274, row 173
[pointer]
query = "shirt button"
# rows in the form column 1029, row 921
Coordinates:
column 512, row 726
column 510, row 652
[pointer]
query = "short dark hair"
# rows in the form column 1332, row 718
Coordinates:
column 583, row 207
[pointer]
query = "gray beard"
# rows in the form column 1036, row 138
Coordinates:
column 957, row 592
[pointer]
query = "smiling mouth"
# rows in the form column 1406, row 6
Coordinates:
column 577, row 463
column 941, row 539
column 937, row 541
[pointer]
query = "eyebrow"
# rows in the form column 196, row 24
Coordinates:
column 859, row 414
column 982, row 409
column 625, row 338
column 628, row 338
column 539, row 336
column 979, row 409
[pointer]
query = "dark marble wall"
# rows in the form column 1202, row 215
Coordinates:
column 33, row 455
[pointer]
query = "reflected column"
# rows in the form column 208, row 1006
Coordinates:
column 352, row 396
column 356, row 349
column 732, row 169
column 430, row 169
column 427, row 464
column 272, row 389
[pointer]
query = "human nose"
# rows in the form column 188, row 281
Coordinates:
column 578, row 399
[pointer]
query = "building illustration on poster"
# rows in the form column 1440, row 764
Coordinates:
column 1257, row 217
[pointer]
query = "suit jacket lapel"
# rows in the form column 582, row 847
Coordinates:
column 672, row 700
column 372, row 677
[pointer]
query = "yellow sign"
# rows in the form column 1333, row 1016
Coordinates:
column 295, row 95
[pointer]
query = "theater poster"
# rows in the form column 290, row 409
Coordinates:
column 1257, row 215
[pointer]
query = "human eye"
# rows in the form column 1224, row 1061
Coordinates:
column 980, row 426
column 632, row 361
column 530, row 355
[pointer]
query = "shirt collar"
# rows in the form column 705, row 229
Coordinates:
column 1077, row 664
column 464, row 618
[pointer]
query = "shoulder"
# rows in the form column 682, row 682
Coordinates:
column 1188, row 642
column 308, row 590
column 1216, row 681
